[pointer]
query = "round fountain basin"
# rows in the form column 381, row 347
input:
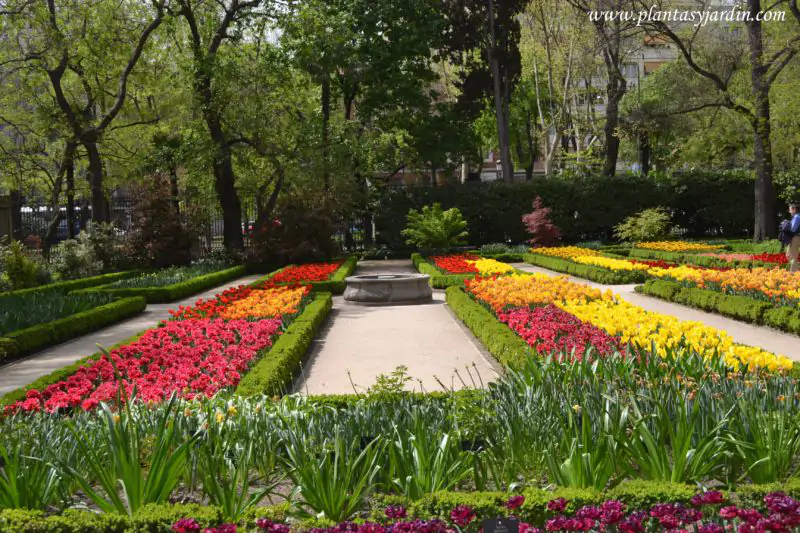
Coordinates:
column 388, row 289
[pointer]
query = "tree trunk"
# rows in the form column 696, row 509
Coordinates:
column 99, row 208
column 16, row 214
column 326, row 116
column 225, row 187
column 500, row 105
column 55, row 200
column 615, row 90
column 70, row 172
column 173, row 189
column 644, row 154
column 765, row 224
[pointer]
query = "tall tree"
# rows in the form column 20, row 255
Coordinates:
column 87, row 53
column 766, row 62
column 211, row 25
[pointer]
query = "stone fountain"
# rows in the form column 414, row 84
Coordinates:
column 388, row 289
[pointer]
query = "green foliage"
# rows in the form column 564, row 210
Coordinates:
column 21, row 312
column 73, row 260
column 63, row 329
column 114, row 454
column 273, row 373
column 169, row 276
column 438, row 280
column 73, row 285
column 734, row 306
column 647, row 225
column 18, row 270
column 504, row 345
column 433, row 228
column 590, row 272
column 176, row 291
column 702, row 203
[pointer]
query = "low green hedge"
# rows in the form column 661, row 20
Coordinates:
column 40, row 336
column 695, row 259
column 335, row 285
column 152, row 518
column 590, row 272
column 505, row 258
column 438, row 280
column 75, row 284
column 275, row 370
column 504, row 345
column 733, row 306
column 178, row 291
column 156, row 518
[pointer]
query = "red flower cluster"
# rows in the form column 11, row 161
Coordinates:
column 305, row 273
column 779, row 259
column 191, row 357
column 454, row 264
column 548, row 328
column 657, row 264
column 211, row 307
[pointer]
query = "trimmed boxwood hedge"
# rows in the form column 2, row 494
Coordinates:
column 438, row 280
column 505, row 258
column 636, row 494
column 590, row 272
column 25, row 341
column 75, row 284
column 277, row 366
column 506, row 346
column 696, row 259
column 733, row 306
column 177, row 291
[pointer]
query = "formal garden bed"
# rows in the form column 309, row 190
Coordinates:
column 453, row 269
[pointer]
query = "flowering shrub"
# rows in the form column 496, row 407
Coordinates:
column 467, row 264
column 305, row 273
column 454, row 264
column 707, row 513
column 548, row 328
column 775, row 285
column 192, row 357
column 679, row 246
column 596, row 313
column 566, row 252
column 611, row 264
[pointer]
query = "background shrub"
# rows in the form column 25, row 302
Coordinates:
column 542, row 230
column 647, row 225
column 19, row 269
column 433, row 228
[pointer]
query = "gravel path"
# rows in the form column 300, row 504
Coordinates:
column 361, row 342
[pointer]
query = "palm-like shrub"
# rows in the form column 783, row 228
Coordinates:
column 433, row 228
column 647, row 225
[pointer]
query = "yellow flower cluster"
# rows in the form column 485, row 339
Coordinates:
column 679, row 246
column 527, row 289
column 609, row 263
column 775, row 284
column 490, row 266
column 634, row 325
column 630, row 323
column 566, row 252
column 266, row 303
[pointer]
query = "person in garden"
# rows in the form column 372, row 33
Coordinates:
column 794, row 239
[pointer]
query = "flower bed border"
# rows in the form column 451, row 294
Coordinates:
column 24, row 341
column 636, row 494
column 60, row 374
column 594, row 273
column 438, row 280
column 75, row 284
column 508, row 348
column 276, row 368
column 176, row 291
column 695, row 259
column 737, row 307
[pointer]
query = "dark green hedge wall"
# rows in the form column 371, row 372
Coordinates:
column 704, row 203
